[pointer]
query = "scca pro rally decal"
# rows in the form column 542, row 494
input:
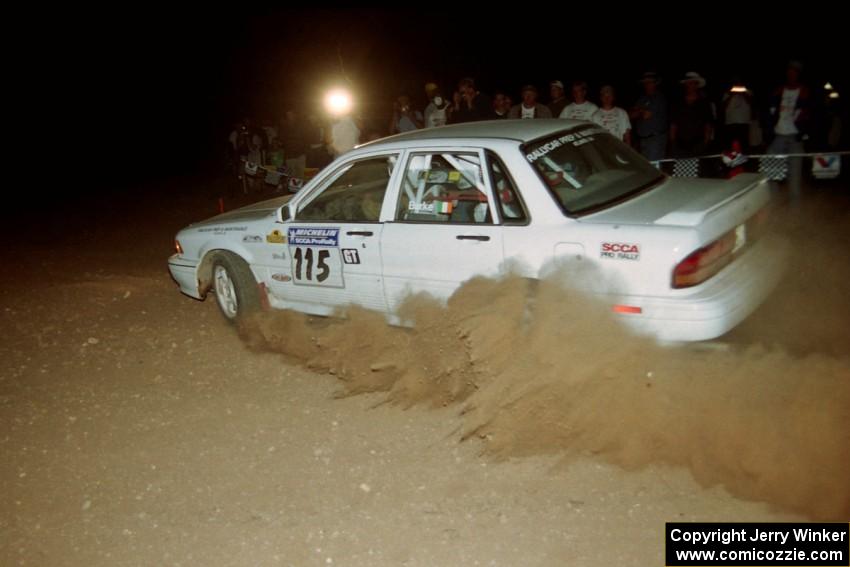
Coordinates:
column 620, row 251
column 310, row 236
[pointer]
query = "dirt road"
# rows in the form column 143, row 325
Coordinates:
column 136, row 428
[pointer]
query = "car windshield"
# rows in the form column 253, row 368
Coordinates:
column 586, row 168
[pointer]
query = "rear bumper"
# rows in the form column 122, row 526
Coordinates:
column 715, row 307
column 185, row 273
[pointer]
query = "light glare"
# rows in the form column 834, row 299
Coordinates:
column 338, row 102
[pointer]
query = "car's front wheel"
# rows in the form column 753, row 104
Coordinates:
column 235, row 287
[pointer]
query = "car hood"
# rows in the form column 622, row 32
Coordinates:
column 255, row 211
column 678, row 201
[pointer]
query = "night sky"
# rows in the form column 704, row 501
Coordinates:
column 152, row 93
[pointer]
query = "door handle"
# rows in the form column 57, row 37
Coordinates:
column 359, row 233
column 478, row 237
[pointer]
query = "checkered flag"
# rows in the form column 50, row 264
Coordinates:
column 686, row 168
column 774, row 168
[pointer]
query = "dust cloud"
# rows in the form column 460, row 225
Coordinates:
column 538, row 368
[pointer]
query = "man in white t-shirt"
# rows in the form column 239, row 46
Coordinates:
column 344, row 135
column 790, row 111
column 580, row 108
column 737, row 106
column 613, row 118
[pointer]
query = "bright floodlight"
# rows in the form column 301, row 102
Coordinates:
column 338, row 102
column 827, row 87
column 739, row 89
column 833, row 94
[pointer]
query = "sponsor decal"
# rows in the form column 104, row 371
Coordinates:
column 827, row 166
column 276, row 237
column 576, row 139
column 280, row 256
column 350, row 256
column 313, row 236
column 252, row 238
column 223, row 229
column 432, row 208
column 281, row 277
column 620, row 251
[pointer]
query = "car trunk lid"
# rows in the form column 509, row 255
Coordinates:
column 682, row 202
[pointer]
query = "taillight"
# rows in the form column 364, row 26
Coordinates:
column 705, row 262
column 177, row 247
column 708, row 260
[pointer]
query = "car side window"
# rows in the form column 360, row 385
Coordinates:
column 355, row 196
column 444, row 188
column 510, row 203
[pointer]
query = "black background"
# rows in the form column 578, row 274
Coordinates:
column 119, row 96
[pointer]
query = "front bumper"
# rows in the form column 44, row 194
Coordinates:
column 185, row 273
column 715, row 307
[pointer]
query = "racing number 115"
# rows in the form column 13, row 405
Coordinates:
column 303, row 256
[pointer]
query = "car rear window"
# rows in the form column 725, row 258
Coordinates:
column 587, row 169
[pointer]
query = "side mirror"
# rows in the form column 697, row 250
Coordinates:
column 284, row 214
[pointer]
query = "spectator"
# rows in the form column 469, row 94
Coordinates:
column 457, row 99
column 438, row 110
column 790, row 112
column 649, row 116
column 269, row 132
column 690, row 128
column 473, row 105
column 316, row 134
column 405, row 119
column 558, row 98
column 580, row 108
column 234, row 140
column 293, row 137
column 344, row 134
column 246, row 145
column 826, row 125
column 613, row 118
column 431, row 90
column 501, row 105
column 737, row 108
column 247, row 141
column 529, row 107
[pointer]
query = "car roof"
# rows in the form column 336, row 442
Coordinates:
column 517, row 130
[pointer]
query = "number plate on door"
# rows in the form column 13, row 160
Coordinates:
column 313, row 265
column 315, row 256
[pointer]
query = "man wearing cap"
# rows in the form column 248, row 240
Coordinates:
column 691, row 122
column 649, row 116
column 529, row 107
column 558, row 98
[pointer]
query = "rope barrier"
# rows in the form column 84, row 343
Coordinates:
column 774, row 166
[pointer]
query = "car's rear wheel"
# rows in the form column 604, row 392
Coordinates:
column 235, row 288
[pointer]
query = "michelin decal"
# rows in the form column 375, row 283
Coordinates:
column 313, row 236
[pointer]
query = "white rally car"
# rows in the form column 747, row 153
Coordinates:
column 427, row 210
